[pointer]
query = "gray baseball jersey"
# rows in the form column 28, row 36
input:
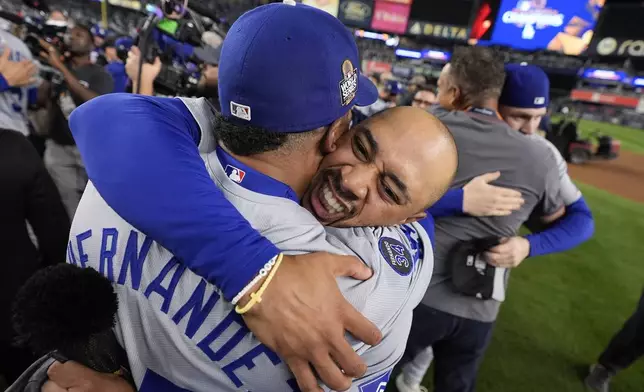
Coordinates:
column 178, row 330
column 569, row 191
column 15, row 101
column 486, row 144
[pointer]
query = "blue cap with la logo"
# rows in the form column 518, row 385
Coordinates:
column 288, row 67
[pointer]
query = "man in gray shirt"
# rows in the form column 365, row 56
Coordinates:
column 459, row 326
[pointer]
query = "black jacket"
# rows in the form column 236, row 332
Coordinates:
column 27, row 194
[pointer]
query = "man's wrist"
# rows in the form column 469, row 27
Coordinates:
column 529, row 244
column 244, row 295
column 239, row 275
column 67, row 74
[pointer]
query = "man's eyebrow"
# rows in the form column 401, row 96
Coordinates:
column 373, row 144
column 401, row 185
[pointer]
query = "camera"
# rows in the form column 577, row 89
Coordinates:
column 51, row 32
column 37, row 28
column 171, row 33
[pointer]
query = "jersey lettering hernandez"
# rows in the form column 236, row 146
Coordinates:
column 14, row 101
column 179, row 332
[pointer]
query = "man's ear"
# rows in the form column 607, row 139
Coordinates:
column 335, row 132
column 457, row 98
column 416, row 217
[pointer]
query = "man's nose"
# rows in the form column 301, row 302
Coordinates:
column 531, row 126
column 358, row 178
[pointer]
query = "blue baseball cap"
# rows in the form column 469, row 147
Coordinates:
column 124, row 42
column 98, row 31
column 526, row 86
column 288, row 67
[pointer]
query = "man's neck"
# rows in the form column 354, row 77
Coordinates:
column 294, row 169
column 487, row 103
column 79, row 61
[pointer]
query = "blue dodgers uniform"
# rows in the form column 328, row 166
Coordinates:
column 179, row 330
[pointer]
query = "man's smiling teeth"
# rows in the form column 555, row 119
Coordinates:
column 329, row 202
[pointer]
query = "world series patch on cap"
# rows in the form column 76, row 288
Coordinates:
column 472, row 275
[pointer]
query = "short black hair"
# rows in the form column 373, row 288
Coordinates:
column 426, row 87
column 478, row 71
column 246, row 140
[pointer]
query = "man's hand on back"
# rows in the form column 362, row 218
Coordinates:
column 480, row 198
column 17, row 73
column 303, row 317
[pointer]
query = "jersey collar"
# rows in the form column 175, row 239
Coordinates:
column 249, row 178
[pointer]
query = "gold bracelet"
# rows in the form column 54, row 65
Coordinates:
column 256, row 297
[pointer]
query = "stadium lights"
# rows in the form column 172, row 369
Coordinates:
column 412, row 54
column 390, row 40
column 638, row 82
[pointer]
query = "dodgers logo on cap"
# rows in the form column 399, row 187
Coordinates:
column 376, row 385
column 235, row 174
column 348, row 85
column 397, row 255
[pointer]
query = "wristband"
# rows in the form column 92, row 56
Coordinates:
column 262, row 273
column 256, row 297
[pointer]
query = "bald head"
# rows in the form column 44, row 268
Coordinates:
column 385, row 171
column 423, row 142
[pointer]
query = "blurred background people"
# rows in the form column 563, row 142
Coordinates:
column 114, row 64
column 424, row 97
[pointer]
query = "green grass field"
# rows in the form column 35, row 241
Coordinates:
column 563, row 309
column 632, row 139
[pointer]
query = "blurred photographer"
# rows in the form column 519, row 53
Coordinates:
column 81, row 81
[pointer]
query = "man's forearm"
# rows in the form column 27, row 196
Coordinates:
column 574, row 228
column 451, row 204
column 147, row 87
column 76, row 87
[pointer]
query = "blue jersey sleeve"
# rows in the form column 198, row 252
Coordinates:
column 429, row 225
column 4, row 85
column 451, row 204
column 141, row 155
column 574, row 228
column 33, row 96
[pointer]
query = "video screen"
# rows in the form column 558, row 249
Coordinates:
column 559, row 25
